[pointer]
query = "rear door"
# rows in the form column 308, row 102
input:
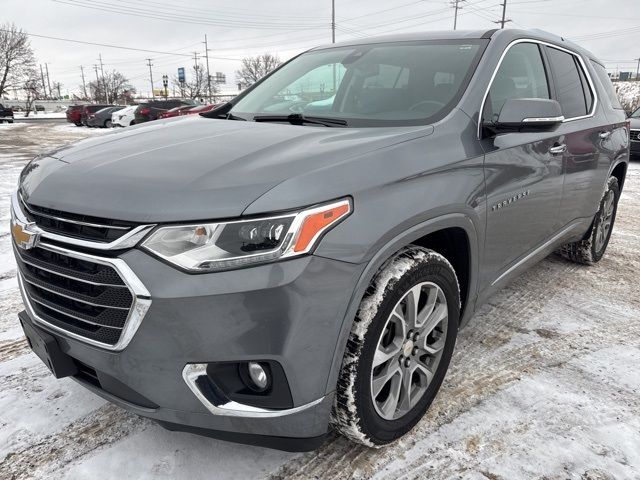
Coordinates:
column 523, row 171
column 585, row 130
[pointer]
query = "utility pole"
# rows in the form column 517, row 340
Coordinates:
column 456, row 7
column 46, row 68
column 104, row 83
column 333, row 21
column 638, row 69
column 84, row 85
column 206, row 53
column 95, row 68
column 150, row 76
column 44, row 85
column 504, row 14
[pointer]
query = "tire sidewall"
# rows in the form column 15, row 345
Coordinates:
column 377, row 429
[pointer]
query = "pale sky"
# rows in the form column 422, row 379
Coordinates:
column 238, row 28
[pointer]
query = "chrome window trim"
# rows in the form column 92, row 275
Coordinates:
column 137, row 311
column 128, row 240
column 543, row 119
column 191, row 373
column 587, row 75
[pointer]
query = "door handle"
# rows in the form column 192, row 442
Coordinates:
column 558, row 149
column 604, row 135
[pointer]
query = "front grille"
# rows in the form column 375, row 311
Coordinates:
column 86, row 298
column 76, row 226
column 635, row 135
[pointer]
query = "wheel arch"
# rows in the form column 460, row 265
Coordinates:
column 446, row 235
column 619, row 170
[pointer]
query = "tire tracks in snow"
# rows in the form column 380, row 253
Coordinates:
column 102, row 427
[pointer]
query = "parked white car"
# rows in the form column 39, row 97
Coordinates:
column 124, row 117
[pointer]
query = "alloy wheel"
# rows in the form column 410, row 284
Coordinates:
column 606, row 219
column 409, row 350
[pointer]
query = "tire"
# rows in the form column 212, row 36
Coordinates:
column 78, row 124
column 591, row 248
column 107, row 124
column 133, row 122
column 376, row 420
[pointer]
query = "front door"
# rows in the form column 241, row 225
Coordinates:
column 523, row 171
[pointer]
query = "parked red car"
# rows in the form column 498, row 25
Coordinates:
column 175, row 112
column 199, row 109
column 74, row 114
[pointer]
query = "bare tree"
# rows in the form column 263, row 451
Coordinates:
column 254, row 68
column 16, row 57
column 33, row 89
column 195, row 85
column 110, row 88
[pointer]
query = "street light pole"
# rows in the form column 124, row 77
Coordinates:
column 333, row 21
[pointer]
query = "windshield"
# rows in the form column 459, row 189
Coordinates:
column 386, row 84
column 636, row 114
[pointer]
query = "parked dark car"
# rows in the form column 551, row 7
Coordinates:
column 39, row 108
column 6, row 114
column 149, row 111
column 102, row 117
column 74, row 114
column 634, row 133
column 88, row 110
column 175, row 112
column 259, row 273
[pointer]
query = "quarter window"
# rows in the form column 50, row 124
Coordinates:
column 520, row 75
column 572, row 89
column 608, row 86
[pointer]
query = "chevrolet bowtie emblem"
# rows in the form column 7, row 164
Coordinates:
column 23, row 237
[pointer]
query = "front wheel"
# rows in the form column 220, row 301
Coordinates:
column 399, row 348
column 590, row 249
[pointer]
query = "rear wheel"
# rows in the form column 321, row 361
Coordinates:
column 107, row 124
column 399, row 348
column 591, row 249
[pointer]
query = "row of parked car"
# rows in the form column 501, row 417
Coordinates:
column 106, row 116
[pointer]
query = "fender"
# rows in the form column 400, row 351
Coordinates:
column 408, row 236
column 620, row 158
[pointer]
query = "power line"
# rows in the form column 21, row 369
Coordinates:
column 117, row 46
column 158, row 14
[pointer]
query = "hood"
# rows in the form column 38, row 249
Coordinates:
column 191, row 168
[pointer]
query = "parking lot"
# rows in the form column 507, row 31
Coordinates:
column 545, row 382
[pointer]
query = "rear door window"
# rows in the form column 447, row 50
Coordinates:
column 520, row 75
column 572, row 88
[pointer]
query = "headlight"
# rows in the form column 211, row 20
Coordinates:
column 206, row 247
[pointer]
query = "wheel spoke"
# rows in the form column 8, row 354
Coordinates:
column 425, row 372
column 386, row 375
column 427, row 310
column 390, row 405
column 384, row 354
column 406, row 394
column 440, row 313
column 412, row 302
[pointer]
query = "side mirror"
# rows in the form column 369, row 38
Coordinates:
column 527, row 115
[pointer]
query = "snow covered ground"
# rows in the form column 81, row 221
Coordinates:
column 629, row 94
column 545, row 383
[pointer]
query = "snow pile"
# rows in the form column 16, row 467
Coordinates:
column 628, row 94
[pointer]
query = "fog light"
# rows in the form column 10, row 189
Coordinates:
column 258, row 376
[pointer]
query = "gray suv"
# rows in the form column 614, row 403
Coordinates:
column 305, row 255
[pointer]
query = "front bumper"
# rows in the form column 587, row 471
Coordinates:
column 289, row 312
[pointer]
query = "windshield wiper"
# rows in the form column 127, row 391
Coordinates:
column 299, row 119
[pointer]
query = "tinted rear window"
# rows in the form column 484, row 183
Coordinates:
column 569, row 84
column 601, row 72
